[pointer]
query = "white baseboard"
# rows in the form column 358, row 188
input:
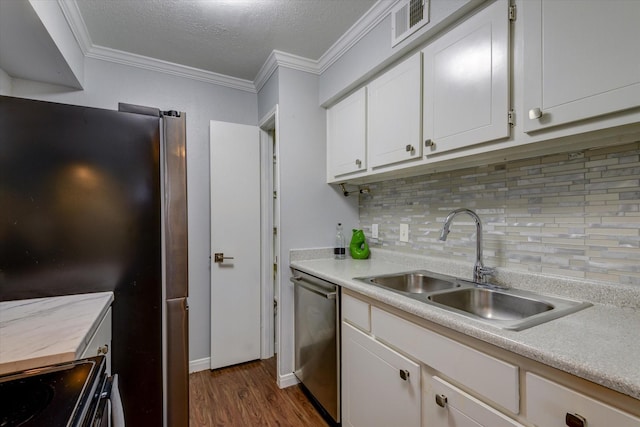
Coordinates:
column 203, row 364
column 288, row 380
column 199, row 365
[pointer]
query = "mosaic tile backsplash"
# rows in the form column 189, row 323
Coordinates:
column 573, row 214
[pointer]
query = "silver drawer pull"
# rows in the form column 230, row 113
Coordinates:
column 441, row 400
column 409, row 148
column 358, row 162
column 404, row 374
column 575, row 420
column 429, row 143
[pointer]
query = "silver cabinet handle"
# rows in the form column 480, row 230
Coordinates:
column 404, row 374
column 575, row 420
column 409, row 148
column 441, row 400
column 104, row 349
column 429, row 143
column 535, row 113
column 219, row 257
column 358, row 162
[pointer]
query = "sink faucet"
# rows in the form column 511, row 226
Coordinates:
column 481, row 274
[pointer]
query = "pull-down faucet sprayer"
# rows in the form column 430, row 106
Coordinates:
column 481, row 274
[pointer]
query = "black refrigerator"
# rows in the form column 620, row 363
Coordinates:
column 94, row 200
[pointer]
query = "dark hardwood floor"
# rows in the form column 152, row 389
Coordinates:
column 247, row 395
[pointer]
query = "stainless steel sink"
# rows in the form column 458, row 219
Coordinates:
column 508, row 308
column 413, row 282
column 491, row 304
column 505, row 308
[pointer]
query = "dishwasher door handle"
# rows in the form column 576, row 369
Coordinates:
column 299, row 281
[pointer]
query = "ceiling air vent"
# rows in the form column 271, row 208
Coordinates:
column 407, row 17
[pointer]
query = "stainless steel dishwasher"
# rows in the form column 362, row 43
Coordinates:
column 317, row 340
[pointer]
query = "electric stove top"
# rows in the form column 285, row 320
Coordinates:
column 67, row 394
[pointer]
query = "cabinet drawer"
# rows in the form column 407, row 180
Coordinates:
column 548, row 404
column 456, row 408
column 495, row 379
column 100, row 341
column 356, row 312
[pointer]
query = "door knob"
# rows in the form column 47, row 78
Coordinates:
column 219, row 257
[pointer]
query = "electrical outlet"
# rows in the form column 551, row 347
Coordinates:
column 404, row 232
column 374, row 231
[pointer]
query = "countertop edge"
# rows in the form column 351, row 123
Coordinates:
column 30, row 341
column 515, row 342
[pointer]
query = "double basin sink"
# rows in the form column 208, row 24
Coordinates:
column 505, row 308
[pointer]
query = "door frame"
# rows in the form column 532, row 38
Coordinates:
column 268, row 149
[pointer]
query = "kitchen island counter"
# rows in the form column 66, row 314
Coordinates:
column 599, row 343
column 43, row 331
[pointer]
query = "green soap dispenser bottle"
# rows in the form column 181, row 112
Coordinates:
column 358, row 246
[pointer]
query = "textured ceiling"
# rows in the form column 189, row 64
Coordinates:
column 230, row 37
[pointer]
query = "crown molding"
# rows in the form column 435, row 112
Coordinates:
column 285, row 60
column 353, row 35
column 74, row 18
column 152, row 64
column 276, row 59
column 78, row 27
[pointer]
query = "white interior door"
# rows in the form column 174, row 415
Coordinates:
column 235, row 233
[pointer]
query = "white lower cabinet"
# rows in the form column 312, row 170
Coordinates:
column 551, row 404
column 400, row 373
column 447, row 406
column 380, row 387
column 490, row 377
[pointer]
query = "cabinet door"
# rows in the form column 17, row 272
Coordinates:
column 448, row 406
column 373, row 391
column 346, row 136
column 466, row 82
column 394, row 114
column 549, row 404
column 581, row 60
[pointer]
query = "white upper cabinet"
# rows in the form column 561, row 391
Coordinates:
column 466, row 82
column 394, row 114
column 581, row 60
column 346, row 136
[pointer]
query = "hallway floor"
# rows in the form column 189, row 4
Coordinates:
column 247, row 395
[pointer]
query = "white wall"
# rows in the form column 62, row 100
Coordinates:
column 5, row 83
column 268, row 95
column 106, row 84
column 309, row 208
column 373, row 52
column 56, row 25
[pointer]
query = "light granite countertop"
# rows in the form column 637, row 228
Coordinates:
column 600, row 343
column 43, row 331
